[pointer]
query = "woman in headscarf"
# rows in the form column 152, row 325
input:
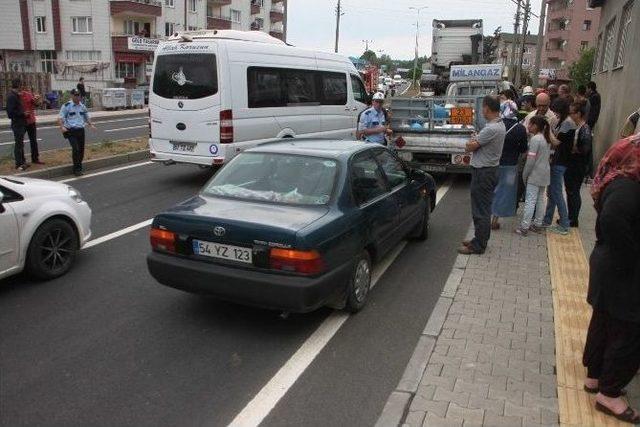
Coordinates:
column 612, row 350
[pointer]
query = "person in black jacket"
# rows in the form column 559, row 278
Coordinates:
column 578, row 161
column 612, row 351
column 594, row 104
column 15, row 112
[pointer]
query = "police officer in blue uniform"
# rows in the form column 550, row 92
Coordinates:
column 373, row 122
column 73, row 118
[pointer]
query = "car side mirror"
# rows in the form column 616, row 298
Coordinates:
column 416, row 174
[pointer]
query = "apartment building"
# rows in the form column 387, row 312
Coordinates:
column 615, row 70
column 506, row 45
column 111, row 42
column 571, row 28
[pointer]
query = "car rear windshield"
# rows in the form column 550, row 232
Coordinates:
column 279, row 178
column 186, row 76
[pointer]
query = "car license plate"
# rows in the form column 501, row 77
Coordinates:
column 188, row 147
column 217, row 250
column 433, row 168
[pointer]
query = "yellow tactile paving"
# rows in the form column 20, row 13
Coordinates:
column 569, row 278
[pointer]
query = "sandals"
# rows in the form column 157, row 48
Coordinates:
column 595, row 390
column 627, row 416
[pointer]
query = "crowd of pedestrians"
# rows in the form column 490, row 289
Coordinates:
column 545, row 143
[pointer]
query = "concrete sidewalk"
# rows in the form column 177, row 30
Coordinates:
column 53, row 116
column 488, row 354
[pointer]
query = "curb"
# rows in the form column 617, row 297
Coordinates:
column 396, row 408
column 90, row 165
column 98, row 116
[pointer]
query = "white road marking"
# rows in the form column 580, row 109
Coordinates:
column 406, row 89
column 26, row 141
column 97, row 123
column 127, row 128
column 107, row 171
column 116, row 234
column 269, row 396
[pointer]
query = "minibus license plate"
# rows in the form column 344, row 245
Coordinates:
column 217, row 250
column 188, row 147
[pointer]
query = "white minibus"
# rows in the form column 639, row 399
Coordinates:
column 215, row 93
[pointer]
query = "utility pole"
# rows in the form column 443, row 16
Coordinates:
column 339, row 13
column 537, row 65
column 366, row 44
column 525, row 26
column 415, row 59
column 514, row 44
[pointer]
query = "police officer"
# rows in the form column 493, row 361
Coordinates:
column 373, row 122
column 73, row 119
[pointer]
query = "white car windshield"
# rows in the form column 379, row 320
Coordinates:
column 278, row 178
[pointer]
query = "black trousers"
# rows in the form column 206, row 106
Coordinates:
column 573, row 179
column 483, row 183
column 33, row 141
column 18, row 146
column 76, row 140
column 612, row 352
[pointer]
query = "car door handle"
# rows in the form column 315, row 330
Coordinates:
column 347, row 108
column 354, row 109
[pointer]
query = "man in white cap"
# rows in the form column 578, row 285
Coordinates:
column 373, row 122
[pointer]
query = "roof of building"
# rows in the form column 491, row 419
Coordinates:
column 508, row 38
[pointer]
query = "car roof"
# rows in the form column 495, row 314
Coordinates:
column 314, row 147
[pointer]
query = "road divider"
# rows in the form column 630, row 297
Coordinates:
column 268, row 397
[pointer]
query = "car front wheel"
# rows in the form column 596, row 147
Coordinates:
column 422, row 229
column 52, row 249
column 360, row 283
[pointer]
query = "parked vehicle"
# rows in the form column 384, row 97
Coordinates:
column 457, row 41
column 292, row 225
column 217, row 93
column 44, row 224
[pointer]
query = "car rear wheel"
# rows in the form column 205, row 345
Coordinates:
column 360, row 283
column 52, row 249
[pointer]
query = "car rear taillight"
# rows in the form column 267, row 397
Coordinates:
column 163, row 240
column 303, row 262
column 226, row 126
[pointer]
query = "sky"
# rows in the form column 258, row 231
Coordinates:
column 390, row 25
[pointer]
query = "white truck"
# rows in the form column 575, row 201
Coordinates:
column 431, row 132
column 456, row 42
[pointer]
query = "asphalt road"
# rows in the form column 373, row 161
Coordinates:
column 49, row 136
column 107, row 345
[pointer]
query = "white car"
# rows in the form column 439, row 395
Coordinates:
column 44, row 224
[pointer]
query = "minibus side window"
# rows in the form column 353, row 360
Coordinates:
column 265, row 87
column 334, row 88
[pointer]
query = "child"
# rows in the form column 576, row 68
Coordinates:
column 536, row 175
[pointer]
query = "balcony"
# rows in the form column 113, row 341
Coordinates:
column 217, row 3
column 219, row 22
column 557, row 34
column 256, row 26
column 276, row 35
column 135, row 8
column 277, row 28
column 277, row 13
column 255, row 8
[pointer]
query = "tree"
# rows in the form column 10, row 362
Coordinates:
column 490, row 46
column 580, row 71
column 370, row 56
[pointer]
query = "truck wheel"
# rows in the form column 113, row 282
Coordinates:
column 359, row 284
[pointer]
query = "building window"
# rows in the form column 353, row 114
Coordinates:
column 84, row 55
column 192, row 6
column 131, row 28
column 596, row 64
column 259, row 23
column 47, row 61
column 41, row 24
column 169, row 3
column 235, row 15
column 192, row 28
column 625, row 25
column 82, row 25
column 125, row 70
column 586, row 26
column 584, row 45
column 526, row 62
column 608, row 46
column 169, row 28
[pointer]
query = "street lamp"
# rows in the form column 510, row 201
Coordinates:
column 415, row 61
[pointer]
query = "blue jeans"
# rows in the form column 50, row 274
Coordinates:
column 556, row 197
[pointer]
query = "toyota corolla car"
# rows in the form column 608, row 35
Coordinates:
column 292, row 226
column 43, row 224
